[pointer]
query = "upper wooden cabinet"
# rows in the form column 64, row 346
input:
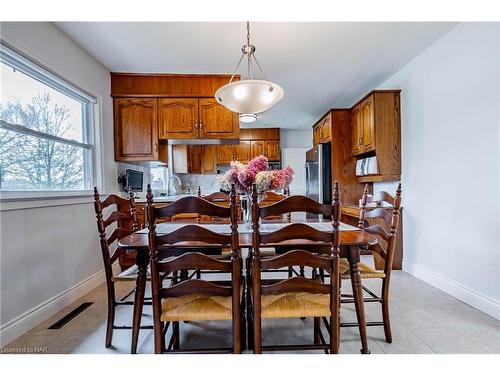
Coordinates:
column 364, row 124
column 376, row 131
column 197, row 159
column 179, row 106
column 356, row 131
column 226, row 154
column 136, row 129
column 272, row 150
column 216, row 121
column 257, row 148
column 243, row 151
column 322, row 130
column 253, row 142
column 177, row 118
column 189, row 118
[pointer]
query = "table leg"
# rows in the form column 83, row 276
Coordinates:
column 357, row 291
column 140, row 286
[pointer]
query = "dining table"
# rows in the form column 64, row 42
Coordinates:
column 351, row 239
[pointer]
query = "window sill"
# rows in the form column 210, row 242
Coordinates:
column 23, row 200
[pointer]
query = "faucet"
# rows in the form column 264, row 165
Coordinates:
column 168, row 183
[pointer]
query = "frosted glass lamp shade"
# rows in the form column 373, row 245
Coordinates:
column 248, row 117
column 249, row 96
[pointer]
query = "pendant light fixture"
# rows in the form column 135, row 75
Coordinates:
column 249, row 96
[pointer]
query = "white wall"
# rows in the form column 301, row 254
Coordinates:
column 296, row 159
column 450, row 148
column 290, row 138
column 50, row 255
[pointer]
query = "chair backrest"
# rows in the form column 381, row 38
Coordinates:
column 124, row 216
column 307, row 256
column 220, row 199
column 391, row 220
column 272, row 197
column 193, row 240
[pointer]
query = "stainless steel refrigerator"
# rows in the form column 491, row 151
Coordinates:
column 319, row 173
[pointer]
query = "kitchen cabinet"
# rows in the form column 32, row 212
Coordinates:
column 376, row 131
column 356, row 131
column 191, row 118
column 363, row 123
column 367, row 121
column 226, row 154
column 136, row 129
column 178, row 118
column 322, row 130
column 149, row 109
column 243, row 151
column 216, row 121
column 253, row 142
column 208, row 159
column 272, row 150
column 316, row 135
column 196, row 159
column 257, row 148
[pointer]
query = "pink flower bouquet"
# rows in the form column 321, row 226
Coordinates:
column 256, row 172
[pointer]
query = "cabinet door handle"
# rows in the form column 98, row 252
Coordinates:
column 156, row 146
column 200, row 127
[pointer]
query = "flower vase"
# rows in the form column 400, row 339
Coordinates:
column 247, row 213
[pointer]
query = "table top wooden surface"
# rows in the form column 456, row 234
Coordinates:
column 349, row 235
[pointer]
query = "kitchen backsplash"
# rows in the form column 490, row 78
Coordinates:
column 209, row 183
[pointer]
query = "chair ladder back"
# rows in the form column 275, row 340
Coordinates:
column 295, row 203
column 121, row 218
column 191, row 259
column 390, row 219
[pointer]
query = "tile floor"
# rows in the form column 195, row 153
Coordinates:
column 424, row 320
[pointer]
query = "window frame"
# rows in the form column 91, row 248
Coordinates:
column 90, row 108
column 166, row 176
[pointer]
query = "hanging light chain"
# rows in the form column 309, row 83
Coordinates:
column 248, row 33
column 248, row 50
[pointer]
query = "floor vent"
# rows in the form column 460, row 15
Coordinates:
column 70, row 316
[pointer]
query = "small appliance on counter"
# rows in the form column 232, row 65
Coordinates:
column 132, row 179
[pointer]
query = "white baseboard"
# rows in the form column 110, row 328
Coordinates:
column 463, row 293
column 31, row 318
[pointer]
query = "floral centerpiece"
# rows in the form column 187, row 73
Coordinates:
column 255, row 172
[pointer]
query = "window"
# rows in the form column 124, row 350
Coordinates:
column 159, row 178
column 46, row 129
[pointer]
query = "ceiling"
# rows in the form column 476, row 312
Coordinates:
column 319, row 65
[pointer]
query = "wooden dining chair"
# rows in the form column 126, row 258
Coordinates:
column 126, row 223
column 295, row 296
column 383, row 247
column 221, row 199
column 188, row 248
